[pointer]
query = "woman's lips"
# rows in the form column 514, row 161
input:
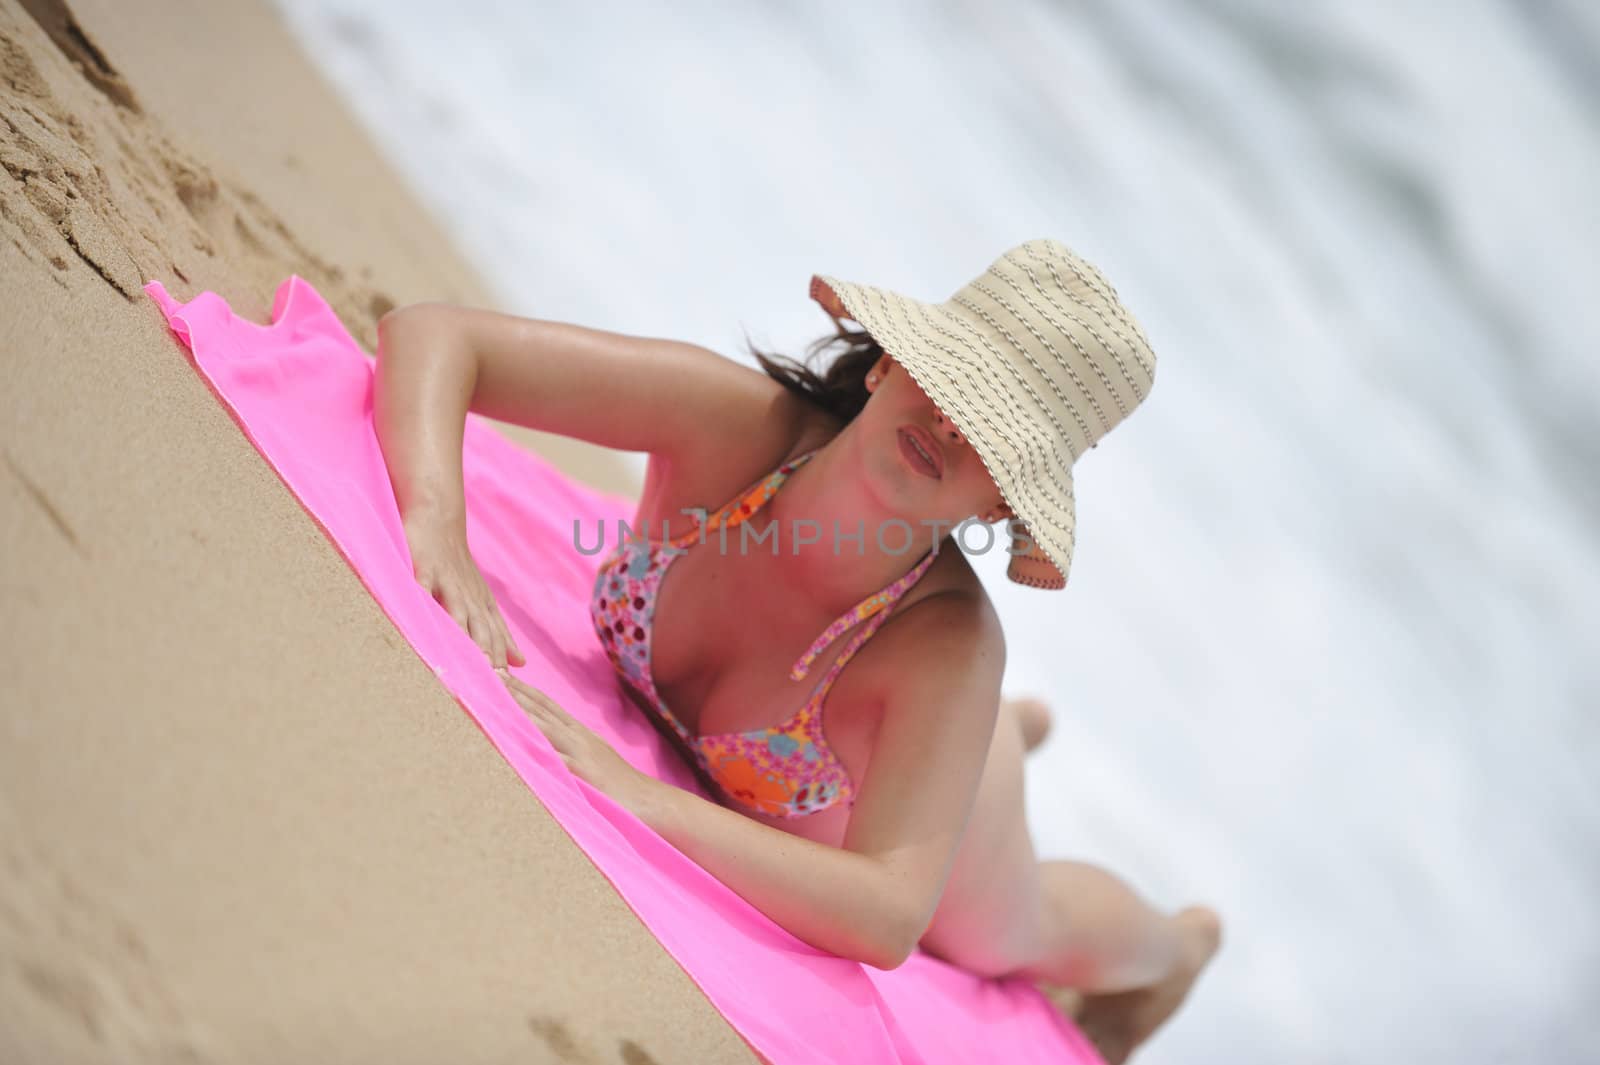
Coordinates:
column 933, row 465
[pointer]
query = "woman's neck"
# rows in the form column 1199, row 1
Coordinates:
column 839, row 572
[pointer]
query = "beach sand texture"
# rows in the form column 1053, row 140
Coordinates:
column 239, row 819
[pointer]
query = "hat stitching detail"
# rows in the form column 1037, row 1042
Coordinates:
column 1077, row 415
column 973, row 412
column 1096, row 282
column 962, row 410
column 1090, row 273
column 1094, row 363
column 1004, row 395
column 1034, row 582
column 1024, row 500
column 1023, row 494
column 1022, row 381
column 1099, row 312
column 906, row 343
column 1005, row 398
column 1066, row 364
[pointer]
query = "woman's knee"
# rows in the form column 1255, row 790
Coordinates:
column 978, row 954
column 992, row 937
column 1031, row 717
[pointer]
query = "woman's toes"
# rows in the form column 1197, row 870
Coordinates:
column 1207, row 926
column 1033, row 715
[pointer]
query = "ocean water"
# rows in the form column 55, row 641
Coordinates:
column 1328, row 657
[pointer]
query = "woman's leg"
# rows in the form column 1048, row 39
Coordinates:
column 1118, row 1022
column 1098, row 934
column 1004, row 911
column 1061, row 923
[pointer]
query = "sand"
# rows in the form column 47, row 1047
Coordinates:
column 239, row 819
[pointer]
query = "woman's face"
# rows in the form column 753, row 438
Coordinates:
column 902, row 424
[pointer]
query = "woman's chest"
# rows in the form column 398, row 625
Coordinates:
column 718, row 680
column 723, row 643
column 852, row 745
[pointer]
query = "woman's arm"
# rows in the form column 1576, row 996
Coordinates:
column 423, row 385
column 836, row 900
column 873, row 898
column 436, row 361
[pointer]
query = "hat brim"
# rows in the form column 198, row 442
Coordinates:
column 954, row 363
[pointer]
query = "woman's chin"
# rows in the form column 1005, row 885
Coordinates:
column 890, row 482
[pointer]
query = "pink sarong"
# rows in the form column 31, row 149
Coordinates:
column 301, row 388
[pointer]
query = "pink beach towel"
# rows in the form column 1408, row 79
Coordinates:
column 301, row 389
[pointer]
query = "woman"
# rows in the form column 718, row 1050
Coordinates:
column 901, row 823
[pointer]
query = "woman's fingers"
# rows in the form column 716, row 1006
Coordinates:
column 497, row 644
column 493, row 636
column 477, row 630
column 453, row 606
column 456, row 609
column 479, row 613
column 486, row 634
column 479, row 617
column 529, row 696
column 513, row 655
column 504, row 650
column 442, row 564
column 445, row 595
column 550, row 723
column 499, row 636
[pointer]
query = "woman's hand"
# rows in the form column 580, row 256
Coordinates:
column 442, row 564
column 583, row 751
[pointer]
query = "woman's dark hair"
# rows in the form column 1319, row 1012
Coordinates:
column 841, row 389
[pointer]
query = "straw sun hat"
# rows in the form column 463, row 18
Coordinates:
column 1034, row 361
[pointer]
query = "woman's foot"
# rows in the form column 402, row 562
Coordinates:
column 1118, row 1022
column 1069, row 1000
column 1033, row 715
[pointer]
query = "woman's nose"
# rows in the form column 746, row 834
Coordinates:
column 948, row 428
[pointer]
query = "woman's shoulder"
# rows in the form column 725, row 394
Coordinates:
column 733, row 455
column 951, row 592
column 950, row 598
column 946, row 626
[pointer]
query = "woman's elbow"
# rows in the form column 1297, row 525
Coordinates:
column 891, row 958
column 893, row 943
column 434, row 317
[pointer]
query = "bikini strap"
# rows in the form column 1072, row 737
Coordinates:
column 742, row 506
column 877, row 604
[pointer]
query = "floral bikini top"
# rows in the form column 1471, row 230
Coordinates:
column 786, row 770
